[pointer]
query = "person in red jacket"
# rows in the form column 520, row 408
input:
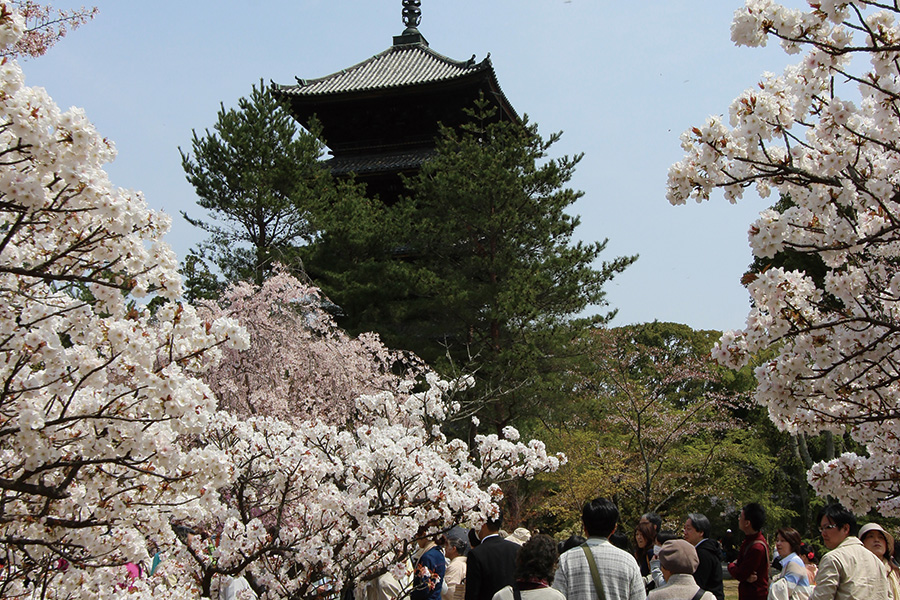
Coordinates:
column 751, row 568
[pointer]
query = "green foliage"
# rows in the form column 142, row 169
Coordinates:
column 655, row 428
column 476, row 271
column 199, row 282
column 262, row 184
column 498, row 277
column 595, row 468
column 359, row 261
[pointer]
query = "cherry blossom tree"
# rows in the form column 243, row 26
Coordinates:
column 824, row 133
column 667, row 407
column 94, row 390
column 315, row 502
column 339, row 461
column 44, row 26
column 654, row 424
column 300, row 365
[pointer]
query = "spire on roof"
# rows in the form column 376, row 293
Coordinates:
column 412, row 16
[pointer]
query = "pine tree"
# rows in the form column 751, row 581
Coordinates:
column 484, row 274
column 260, row 179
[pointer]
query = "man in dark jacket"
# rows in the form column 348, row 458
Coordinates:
column 491, row 566
column 709, row 572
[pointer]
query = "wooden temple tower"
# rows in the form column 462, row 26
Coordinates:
column 380, row 117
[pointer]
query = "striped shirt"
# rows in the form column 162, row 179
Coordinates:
column 620, row 575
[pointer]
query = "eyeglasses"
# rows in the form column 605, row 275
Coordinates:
column 827, row 528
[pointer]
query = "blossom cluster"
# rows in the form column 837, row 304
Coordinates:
column 41, row 27
column 301, row 364
column 96, row 391
column 338, row 458
column 824, row 135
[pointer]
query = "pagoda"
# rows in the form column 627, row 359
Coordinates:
column 380, row 117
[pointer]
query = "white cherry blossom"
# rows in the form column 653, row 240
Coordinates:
column 825, row 134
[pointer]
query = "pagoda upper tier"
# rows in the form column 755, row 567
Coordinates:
column 380, row 117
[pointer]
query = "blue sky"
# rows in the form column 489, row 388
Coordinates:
column 622, row 80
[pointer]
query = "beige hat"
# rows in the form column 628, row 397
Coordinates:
column 876, row 527
column 519, row 536
column 678, row 556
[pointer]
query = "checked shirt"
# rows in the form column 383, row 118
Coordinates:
column 619, row 573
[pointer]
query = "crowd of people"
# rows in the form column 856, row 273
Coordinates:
column 656, row 564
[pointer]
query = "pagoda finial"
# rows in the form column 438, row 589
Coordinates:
column 412, row 14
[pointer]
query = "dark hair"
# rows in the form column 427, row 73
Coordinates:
column 756, row 514
column 494, row 524
column 599, row 517
column 792, row 537
column 573, row 542
column 664, row 536
column 654, row 519
column 619, row 539
column 182, row 531
column 809, row 552
column 839, row 515
column 648, row 532
column 439, row 539
column 474, row 542
column 643, row 555
column 537, row 558
column 700, row 523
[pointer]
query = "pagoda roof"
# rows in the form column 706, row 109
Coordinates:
column 397, row 68
column 380, row 162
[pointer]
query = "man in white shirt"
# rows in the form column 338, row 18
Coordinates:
column 618, row 571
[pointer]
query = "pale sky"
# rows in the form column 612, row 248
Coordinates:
column 622, row 80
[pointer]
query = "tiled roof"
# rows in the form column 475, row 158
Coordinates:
column 373, row 163
column 398, row 66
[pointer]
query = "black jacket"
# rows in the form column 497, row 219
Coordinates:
column 709, row 572
column 490, row 567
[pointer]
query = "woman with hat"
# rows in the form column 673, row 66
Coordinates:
column 881, row 544
column 678, row 561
